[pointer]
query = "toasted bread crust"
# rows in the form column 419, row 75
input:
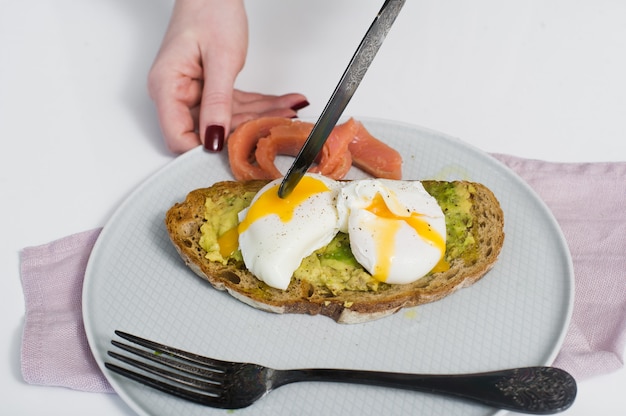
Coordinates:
column 184, row 220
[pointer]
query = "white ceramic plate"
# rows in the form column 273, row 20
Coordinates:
column 515, row 316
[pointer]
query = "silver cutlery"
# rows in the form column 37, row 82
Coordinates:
column 233, row 385
column 350, row 80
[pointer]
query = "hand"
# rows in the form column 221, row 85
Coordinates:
column 193, row 76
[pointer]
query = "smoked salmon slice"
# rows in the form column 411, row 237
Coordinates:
column 373, row 156
column 243, row 142
column 254, row 145
column 336, row 160
column 284, row 139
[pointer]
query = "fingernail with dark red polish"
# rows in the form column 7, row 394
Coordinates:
column 300, row 105
column 214, row 138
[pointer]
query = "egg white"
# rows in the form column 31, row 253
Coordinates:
column 388, row 248
column 273, row 249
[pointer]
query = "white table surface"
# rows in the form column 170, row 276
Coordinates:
column 538, row 79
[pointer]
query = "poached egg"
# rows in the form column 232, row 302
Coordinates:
column 275, row 233
column 397, row 230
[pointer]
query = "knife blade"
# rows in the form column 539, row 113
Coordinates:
column 350, row 80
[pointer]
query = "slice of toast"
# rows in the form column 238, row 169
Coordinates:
column 485, row 226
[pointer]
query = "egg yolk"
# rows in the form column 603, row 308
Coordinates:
column 270, row 203
column 385, row 244
column 228, row 242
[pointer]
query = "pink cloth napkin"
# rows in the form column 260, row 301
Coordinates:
column 55, row 351
column 587, row 199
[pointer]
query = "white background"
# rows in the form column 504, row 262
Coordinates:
column 538, row 79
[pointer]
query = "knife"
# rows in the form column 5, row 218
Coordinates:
column 340, row 98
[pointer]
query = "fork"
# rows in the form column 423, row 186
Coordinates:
column 233, row 385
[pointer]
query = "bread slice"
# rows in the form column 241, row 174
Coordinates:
column 485, row 226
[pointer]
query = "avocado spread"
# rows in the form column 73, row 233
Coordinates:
column 334, row 267
column 219, row 231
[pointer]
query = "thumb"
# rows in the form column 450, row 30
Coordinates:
column 216, row 105
column 215, row 113
column 221, row 64
column 223, row 52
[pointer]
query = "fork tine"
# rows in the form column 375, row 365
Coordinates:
column 207, row 373
column 186, row 375
column 206, row 389
column 212, row 387
column 190, row 395
column 188, row 356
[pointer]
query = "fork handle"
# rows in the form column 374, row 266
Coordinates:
column 535, row 390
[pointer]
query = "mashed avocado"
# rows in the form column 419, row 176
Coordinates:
column 455, row 200
column 220, row 226
column 334, row 267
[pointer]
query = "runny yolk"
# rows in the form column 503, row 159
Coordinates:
column 270, row 203
column 228, row 242
column 385, row 242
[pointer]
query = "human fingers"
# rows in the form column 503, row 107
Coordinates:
column 176, row 97
column 249, row 106
column 223, row 52
column 250, row 102
column 175, row 78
